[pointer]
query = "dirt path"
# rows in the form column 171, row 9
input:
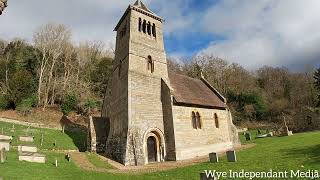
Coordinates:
column 82, row 161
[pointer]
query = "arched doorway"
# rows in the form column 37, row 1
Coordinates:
column 152, row 149
column 154, row 146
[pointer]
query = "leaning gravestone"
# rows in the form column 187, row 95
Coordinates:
column 26, row 138
column 231, row 156
column 2, row 155
column 214, row 158
column 203, row 176
column 5, row 145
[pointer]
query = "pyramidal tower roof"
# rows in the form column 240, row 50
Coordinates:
column 142, row 8
column 141, row 5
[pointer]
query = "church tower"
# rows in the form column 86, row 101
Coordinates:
column 134, row 106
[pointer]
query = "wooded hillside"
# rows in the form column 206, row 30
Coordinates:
column 54, row 71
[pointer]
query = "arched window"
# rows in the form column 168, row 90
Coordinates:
column 149, row 28
column 150, row 64
column 144, row 26
column 216, row 120
column 154, row 30
column 198, row 120
column 140, row 24
column 194, row 120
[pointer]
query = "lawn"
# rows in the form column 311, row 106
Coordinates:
column 298, row 152
column 67, row 141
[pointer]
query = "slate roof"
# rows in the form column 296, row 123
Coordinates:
column 194, row 92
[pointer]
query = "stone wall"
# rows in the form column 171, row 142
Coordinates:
column 192, row 142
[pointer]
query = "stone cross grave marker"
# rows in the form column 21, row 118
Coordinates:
column 231, row 156
column 214, row 158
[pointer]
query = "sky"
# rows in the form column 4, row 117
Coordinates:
column 252, row 33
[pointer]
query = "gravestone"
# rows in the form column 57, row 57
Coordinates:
column 5, row 145
column 2, row 155
column 12, row 129
column 214, row 158
column 5, row 138
column 26, row 138
column 68, row 157
column 22, row 148
column 32, row 157
column 203, row 176
column 231, row 156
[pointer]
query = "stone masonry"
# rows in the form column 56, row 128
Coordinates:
column 146, row 123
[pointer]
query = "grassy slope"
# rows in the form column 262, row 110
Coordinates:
column 68, row 141
column 284, row 153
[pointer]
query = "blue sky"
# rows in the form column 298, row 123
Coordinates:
column 251, row 33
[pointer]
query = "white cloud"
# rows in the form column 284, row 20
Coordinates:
column 265, row 32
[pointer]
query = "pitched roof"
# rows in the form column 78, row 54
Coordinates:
column 141, row 5
column 195, row 92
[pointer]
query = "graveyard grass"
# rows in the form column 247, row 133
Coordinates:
column 297, row 152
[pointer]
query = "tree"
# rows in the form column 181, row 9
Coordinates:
column 51, row 40
column 21, row 86
column 100, row 75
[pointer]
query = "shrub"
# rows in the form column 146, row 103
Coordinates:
column 4, row 103
column 69, row 104
column 25, row 106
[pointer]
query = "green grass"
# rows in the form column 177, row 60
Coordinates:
column 96, row 161
column 297, row 152
column 67, row 141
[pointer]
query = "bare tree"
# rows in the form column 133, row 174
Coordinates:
column 50, row 39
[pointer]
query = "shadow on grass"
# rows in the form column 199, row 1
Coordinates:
column 77, row 132
column 312, row 153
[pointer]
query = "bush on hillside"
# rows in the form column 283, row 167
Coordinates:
column 26, row 105
column 69, row 104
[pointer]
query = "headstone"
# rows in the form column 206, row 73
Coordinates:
column 27, row 149
column 231, row 156
column 26, row 138
column 270, row 134
column 248, row 136
column 2, row 155
column 68, row 157
column 5, row 145
column 5, row 138
column 214, row 158
column 32, row 157
column 12, row 129
column 41, row 141
column 203, row 176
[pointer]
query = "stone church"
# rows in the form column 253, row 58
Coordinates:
column 155, row 115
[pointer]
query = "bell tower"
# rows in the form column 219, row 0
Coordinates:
column 134, row 106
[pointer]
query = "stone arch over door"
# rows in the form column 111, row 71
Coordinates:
column 154, row 138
